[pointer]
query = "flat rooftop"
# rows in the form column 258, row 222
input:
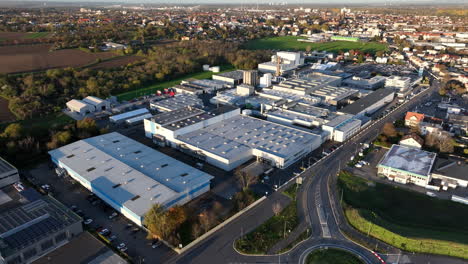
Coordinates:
column 241, row 133
column 451, row 168
column 187, row 116
column 334, row 92
column 131, row 174
column 176, row 102
column 6, row 167
column 236, row 75
column 83, row 249
column 367, row 101
column 31, row 221
column 411, row 160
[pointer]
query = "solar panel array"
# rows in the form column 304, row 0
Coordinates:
column 29, row 223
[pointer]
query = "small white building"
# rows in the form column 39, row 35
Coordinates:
column 80, row 107
column 98, row 103
column 452, row 173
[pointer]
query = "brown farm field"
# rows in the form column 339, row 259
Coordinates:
column 5, row 114
column 12, row 35
column 116, row 62
column 27, row 58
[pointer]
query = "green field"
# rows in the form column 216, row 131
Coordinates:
column 151, row 89
column 411, row 221
column 291, row 43
column 332, row 256
column 35, row 35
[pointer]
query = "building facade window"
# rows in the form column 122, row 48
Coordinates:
column 29, row 253
column 60, row 237
column 47, row 244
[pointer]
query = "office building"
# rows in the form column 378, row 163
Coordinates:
column 398, row 83
column 407, row 165
column 129, row 176
column 342, row 127
column 265, row 80
column 8, row 173
column 32, row 225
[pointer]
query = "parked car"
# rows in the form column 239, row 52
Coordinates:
column 155, row 243
column 105, row 232
column 128, row 226
column 431, row 194
column 88, row 221
column 112, row 238
column 113, row 215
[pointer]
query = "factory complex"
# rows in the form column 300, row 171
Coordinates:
column 225, row 138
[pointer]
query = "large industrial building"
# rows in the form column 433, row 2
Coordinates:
column 407, row 165
column 8, row 173
column 32, row 225
column 370, row 103
column 128, row 175
column 226, row 139
column 232, row 142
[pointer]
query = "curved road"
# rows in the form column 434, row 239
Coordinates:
column 318, row 206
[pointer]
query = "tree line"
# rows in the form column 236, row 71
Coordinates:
column 38, row 94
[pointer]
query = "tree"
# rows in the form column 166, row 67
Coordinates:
column 389, row 130
column 245, row 178
column 207, row 220
column 156, row 221
column 243, row 199
column 446, row 144
column 277, row 208
column 13, row 131
column 162, row 223
column 87, row 127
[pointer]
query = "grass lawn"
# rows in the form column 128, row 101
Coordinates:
column 262, row 238
column 332, row 256
column 151, row 89
column 405, row 219
column 291, row 43
column 34, row 35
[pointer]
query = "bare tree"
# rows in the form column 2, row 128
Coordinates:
column 389, row 130
column 445, row 143
column 245, row 179
column 207, row 220
column 277, row 208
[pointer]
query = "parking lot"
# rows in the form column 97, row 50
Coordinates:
column 72, row 194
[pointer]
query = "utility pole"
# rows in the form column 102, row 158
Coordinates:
column 284, row 229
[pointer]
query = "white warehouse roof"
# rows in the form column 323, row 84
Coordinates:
column 131, row 174
column 77, row 104
column 240, row 134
